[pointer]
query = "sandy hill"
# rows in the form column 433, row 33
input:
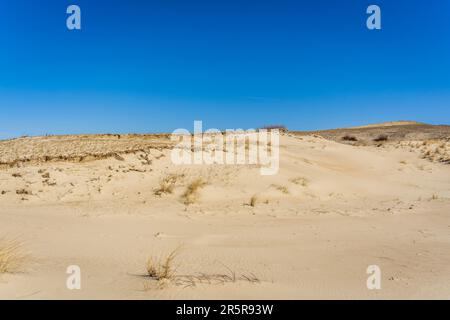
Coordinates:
column 390, row 131
column 107, row 203
column 388, row 124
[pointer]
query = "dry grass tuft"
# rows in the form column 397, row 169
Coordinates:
column 190, row 196
column 162, row 268
column 163, row 271
column 166, row 185
column 12, row 255
column 253, row 200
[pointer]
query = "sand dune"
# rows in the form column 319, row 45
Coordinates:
column 106, row 203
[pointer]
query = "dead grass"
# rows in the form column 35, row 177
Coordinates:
column 166, row 185
column 214, row 279
column 162, row 270
column 253, row 200
column 12, row 256
column 190, row 196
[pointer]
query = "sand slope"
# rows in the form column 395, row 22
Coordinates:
column 308, row 232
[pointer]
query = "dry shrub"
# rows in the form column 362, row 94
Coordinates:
column 12, row 255
column 190, row 196
column 166, row 185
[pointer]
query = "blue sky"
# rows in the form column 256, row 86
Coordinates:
column 154, row 66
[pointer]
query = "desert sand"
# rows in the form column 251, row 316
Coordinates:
column 107, row 203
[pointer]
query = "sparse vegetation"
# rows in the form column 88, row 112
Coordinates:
column 219, row 278
column 349, row 138
column 280, row 127
column 23, row 192
column 300, row 181
column 190, row 196
column 283, row 189
column 253, row 200
column 163, row 269
column 166, row 185
column 12, row 256
column 381, row 138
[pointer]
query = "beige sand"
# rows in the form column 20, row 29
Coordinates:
column 310, row 231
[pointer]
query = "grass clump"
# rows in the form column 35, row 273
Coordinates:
column 253, row 201
column 166, row 185
column 190, row 196
column 162, row 268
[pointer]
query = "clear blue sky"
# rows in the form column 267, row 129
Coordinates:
column 153, row 66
